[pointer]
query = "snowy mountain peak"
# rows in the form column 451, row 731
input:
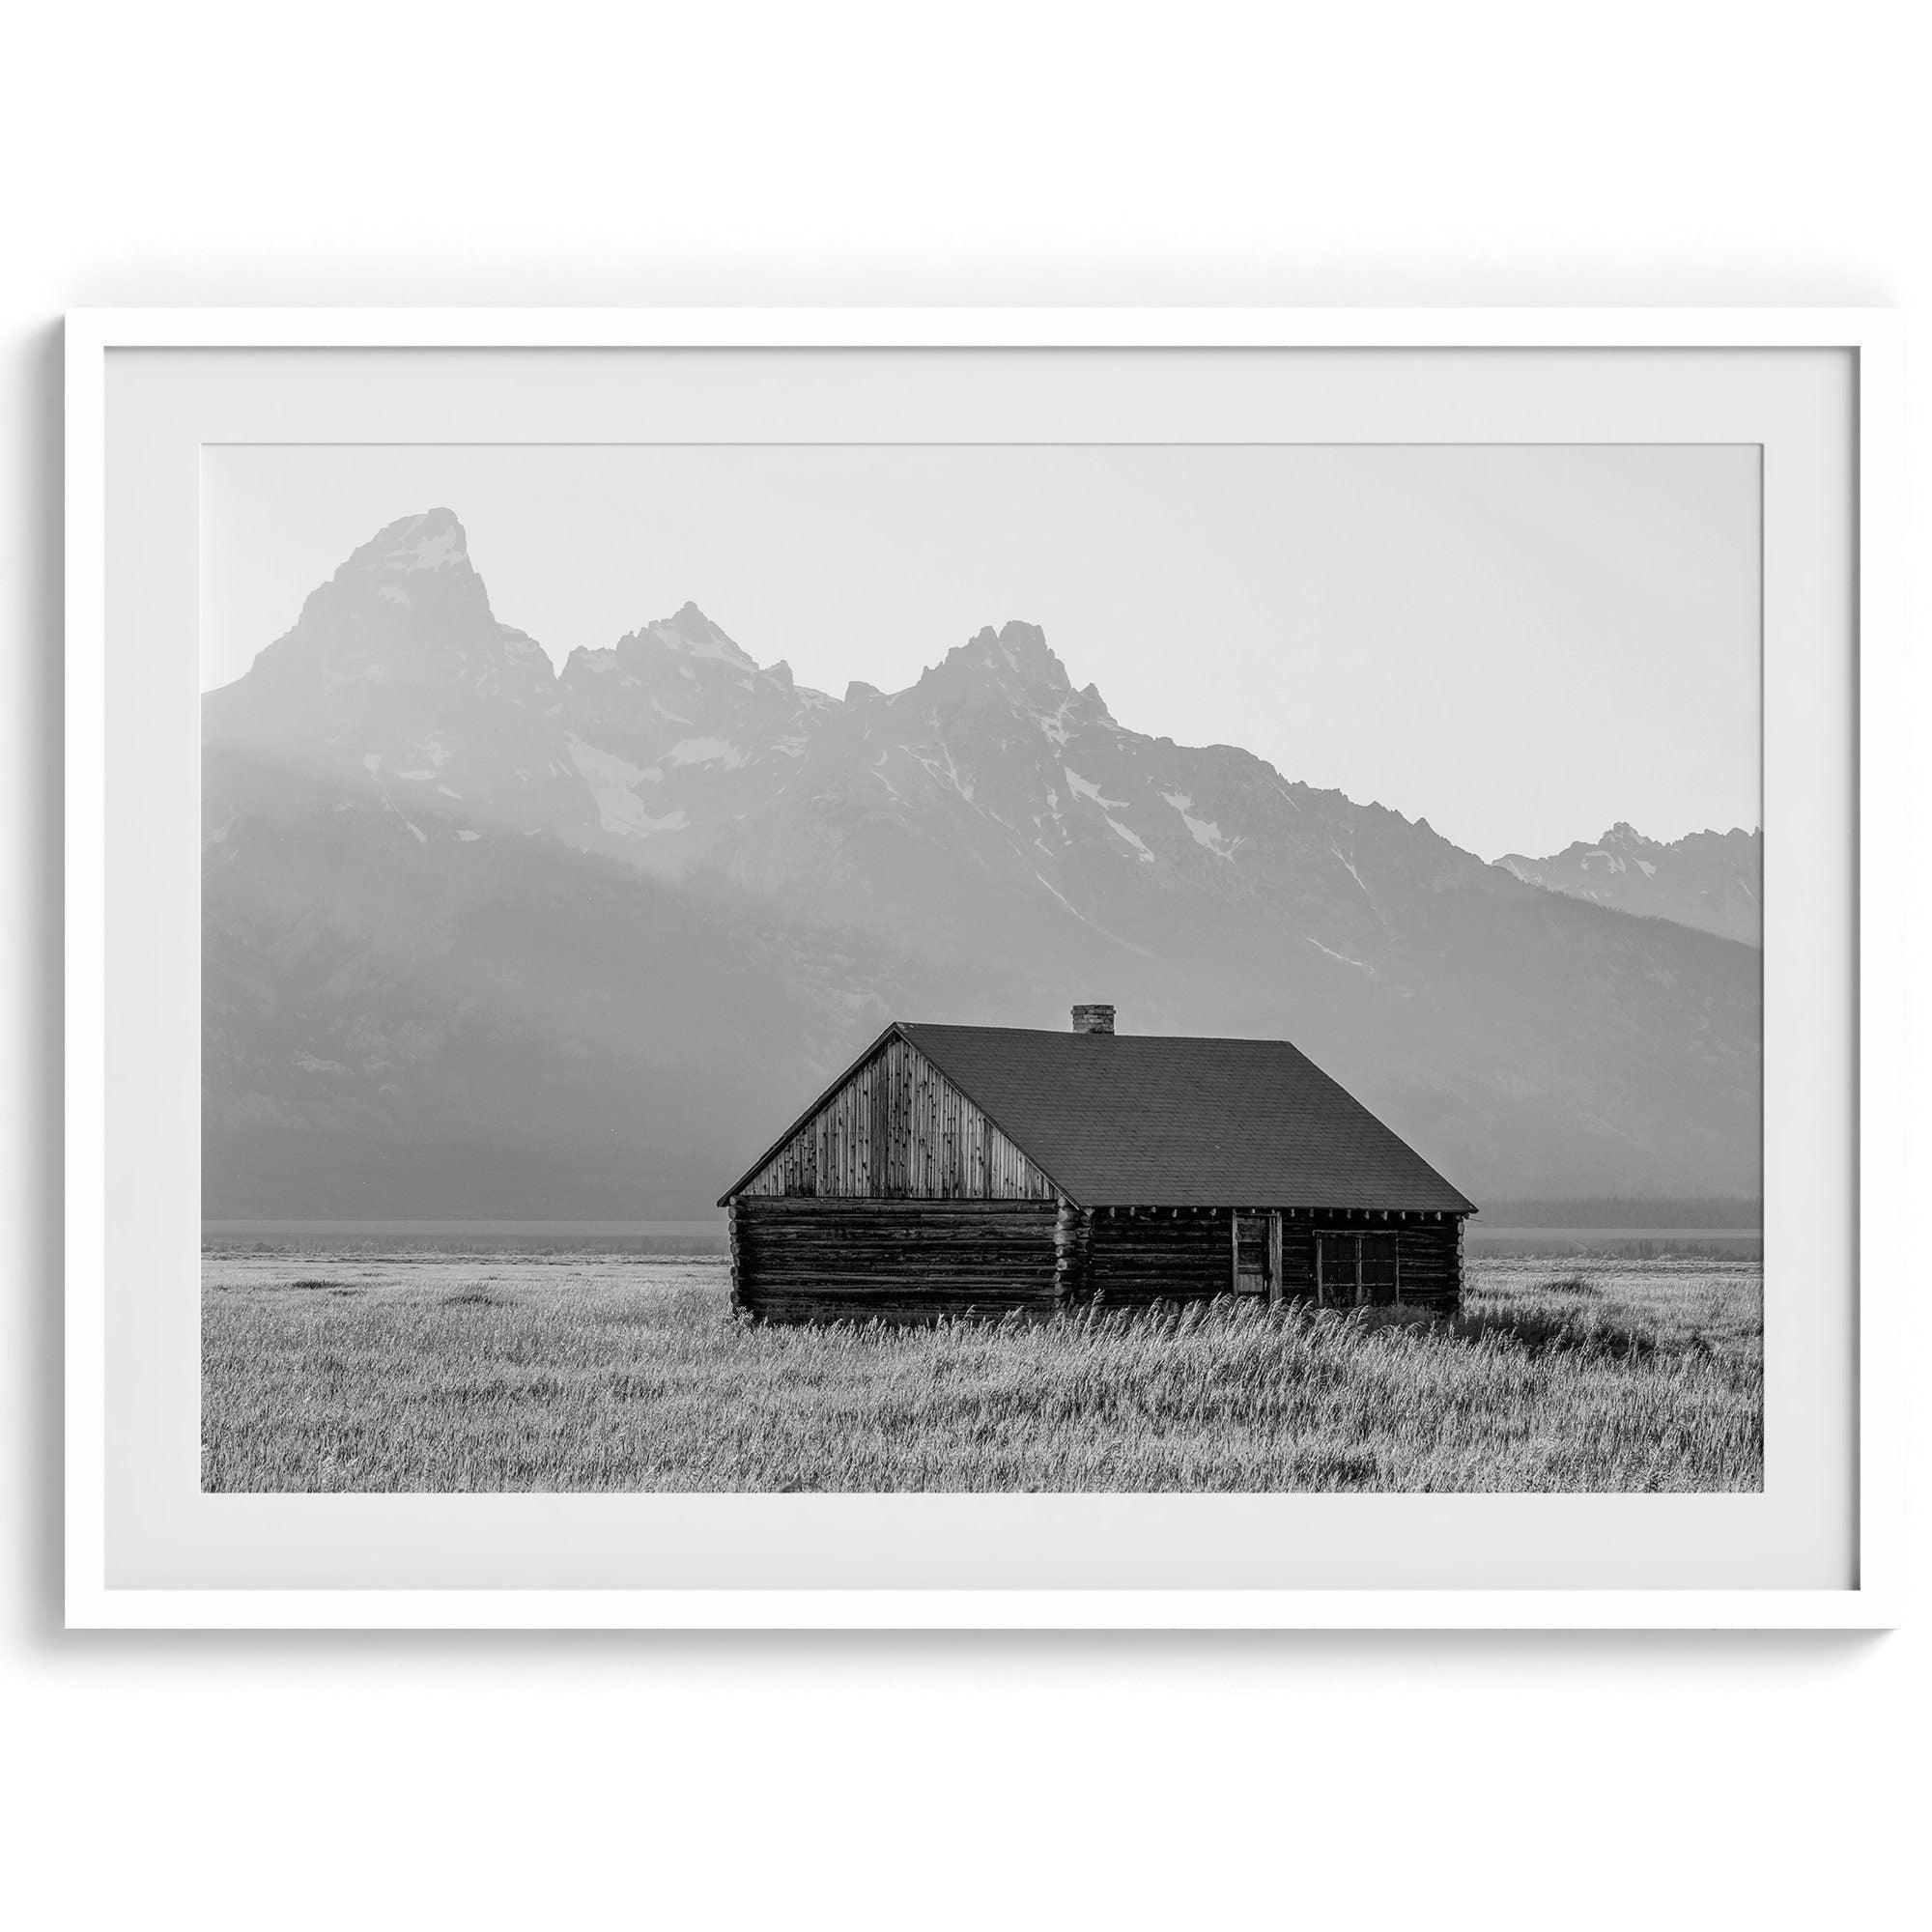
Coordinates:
column 418, row 563
column 691, row 634
column 435, row 540
column 398, row 681
column 432, row 542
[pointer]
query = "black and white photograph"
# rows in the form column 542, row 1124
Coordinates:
column 981, row 967
column 968, row 969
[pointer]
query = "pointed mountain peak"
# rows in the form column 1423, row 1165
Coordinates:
column 1092, row 693
column 419, row 563
column 1624, row 833
column 432, row 541
column 690, row 633
column 1016, row 655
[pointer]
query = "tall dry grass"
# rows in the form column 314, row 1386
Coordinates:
column 515, row 1375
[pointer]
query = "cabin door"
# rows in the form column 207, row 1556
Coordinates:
column 1258, row 1255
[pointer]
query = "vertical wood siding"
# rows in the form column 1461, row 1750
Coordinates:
column 899, row 1130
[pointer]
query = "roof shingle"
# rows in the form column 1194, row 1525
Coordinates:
column 1147, row 1120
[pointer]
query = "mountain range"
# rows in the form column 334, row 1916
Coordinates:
column 1711, row 880
column 484, row 938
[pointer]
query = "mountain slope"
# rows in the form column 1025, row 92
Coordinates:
column 724, row 882
column 1710, row 880
column 411, row 1019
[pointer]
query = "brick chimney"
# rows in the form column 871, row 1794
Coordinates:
column 1092, row 1019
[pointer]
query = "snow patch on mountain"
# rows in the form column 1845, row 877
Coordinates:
column 437, row 551
column 1356, row 876
column 1054, row 722
column 946, row 773
column 1360, row 965
column 1083, row 789
column 1205, row 830
column 613, row 782
column 1108, row 806
column 432, row 749
column 878, row 772
column 705, row 751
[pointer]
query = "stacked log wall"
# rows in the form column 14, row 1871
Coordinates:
column 1140, row 1256
column 852, row 1260
column 1136, row 1256
column 1429, row 1257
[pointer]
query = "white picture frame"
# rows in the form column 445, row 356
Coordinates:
column 103, row 1591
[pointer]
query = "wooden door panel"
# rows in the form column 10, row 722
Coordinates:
column 1250, row 1247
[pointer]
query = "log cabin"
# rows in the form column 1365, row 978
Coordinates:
column 955, row 1170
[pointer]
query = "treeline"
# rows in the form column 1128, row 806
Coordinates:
column 1626, row 1211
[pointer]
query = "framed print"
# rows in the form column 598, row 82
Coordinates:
column 983, row 968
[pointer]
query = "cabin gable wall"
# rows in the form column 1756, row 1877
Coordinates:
column 897, row 1129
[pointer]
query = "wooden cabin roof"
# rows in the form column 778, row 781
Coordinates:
column 1147, row 1119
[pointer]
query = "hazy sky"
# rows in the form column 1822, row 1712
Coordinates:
column 1521, row 645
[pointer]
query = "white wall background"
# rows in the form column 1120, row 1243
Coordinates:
column 397, row 153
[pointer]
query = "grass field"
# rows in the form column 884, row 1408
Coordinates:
column 419, row 1373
